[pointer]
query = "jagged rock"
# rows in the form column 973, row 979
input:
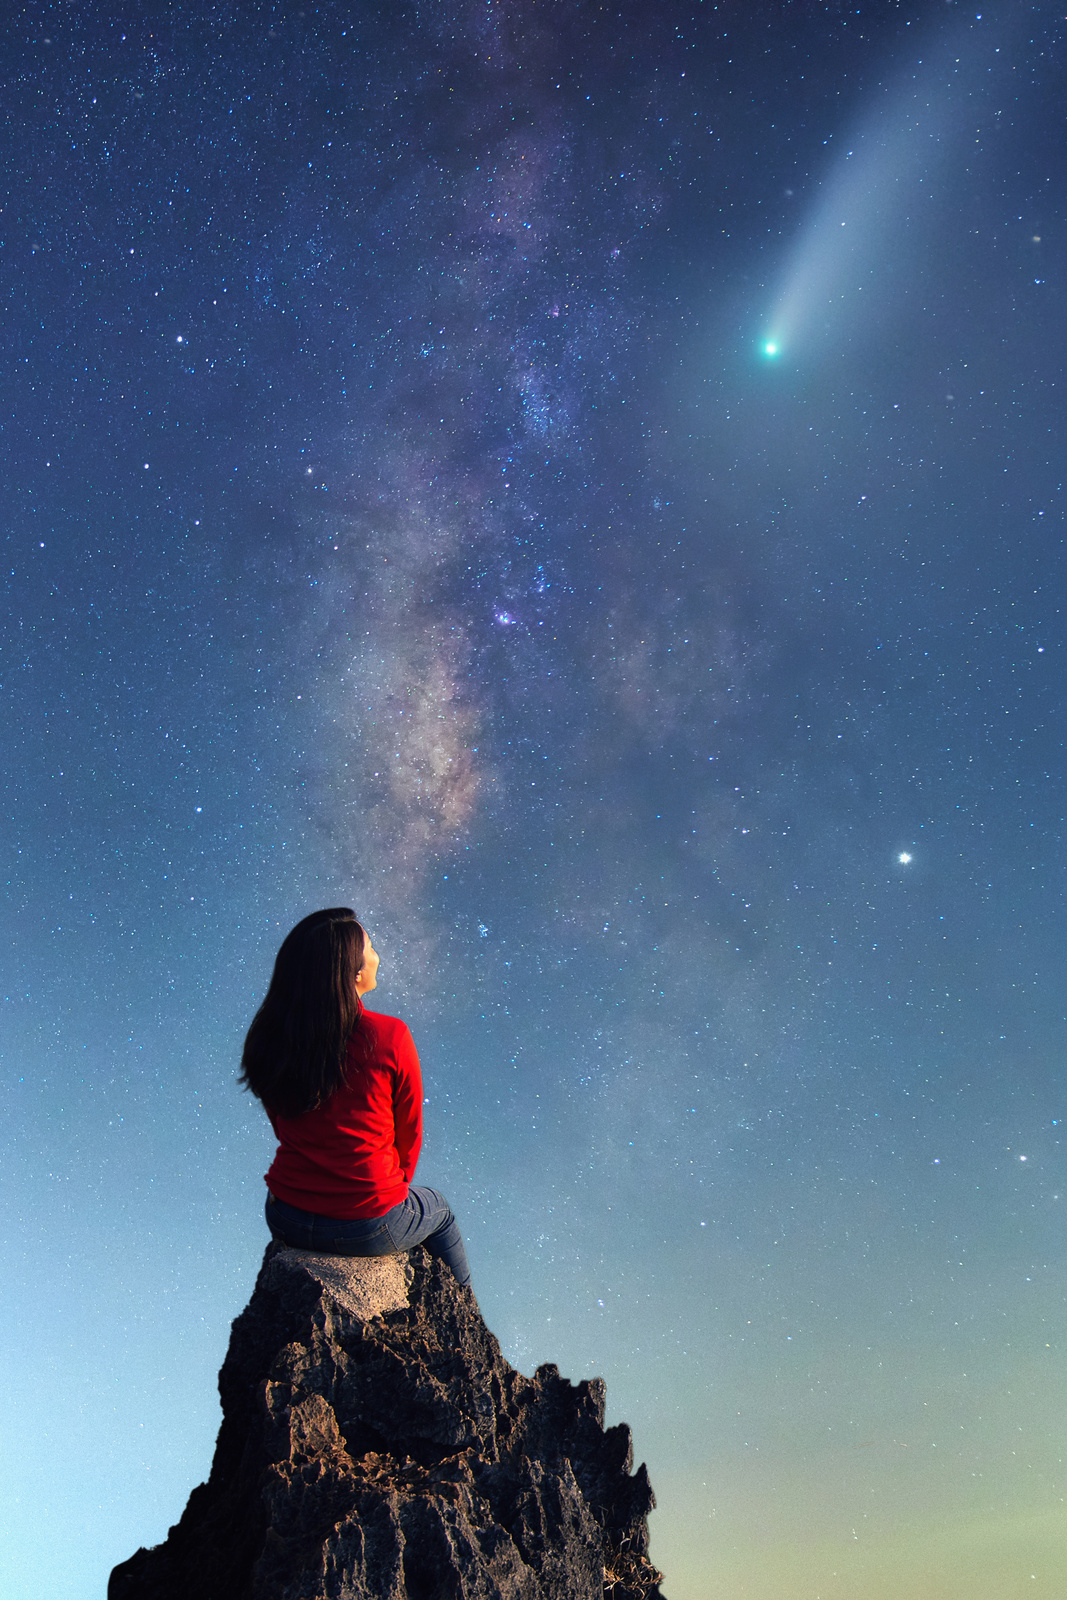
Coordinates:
column 375, row 1445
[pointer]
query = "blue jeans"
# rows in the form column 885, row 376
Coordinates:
column 425, row 1217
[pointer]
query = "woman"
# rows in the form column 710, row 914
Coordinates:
column 342, row 1088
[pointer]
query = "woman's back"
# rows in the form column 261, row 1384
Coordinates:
column 355, row 1156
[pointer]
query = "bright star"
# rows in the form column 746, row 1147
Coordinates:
column 903, row 858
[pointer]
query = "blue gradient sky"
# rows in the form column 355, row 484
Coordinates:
column 402, row 511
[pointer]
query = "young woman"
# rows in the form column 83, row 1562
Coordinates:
column 342, row 1088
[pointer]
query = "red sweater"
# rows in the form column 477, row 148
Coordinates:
column 355, row 1156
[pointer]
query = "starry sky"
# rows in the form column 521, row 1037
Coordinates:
column 581, row 484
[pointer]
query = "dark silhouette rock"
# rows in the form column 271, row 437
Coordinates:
column 375, row 1445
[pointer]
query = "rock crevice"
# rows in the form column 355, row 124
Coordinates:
column 375, row 1445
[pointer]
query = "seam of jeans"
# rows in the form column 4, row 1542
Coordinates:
column 379, row 1233
column 362, row 1239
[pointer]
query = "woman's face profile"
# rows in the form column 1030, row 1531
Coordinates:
column 367, row 976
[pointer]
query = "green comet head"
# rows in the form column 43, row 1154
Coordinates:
column 770, row 348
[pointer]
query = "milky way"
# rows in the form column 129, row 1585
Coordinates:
column 405, row 510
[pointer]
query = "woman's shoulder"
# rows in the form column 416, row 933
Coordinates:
column 386, row 1040
column 385, row 1029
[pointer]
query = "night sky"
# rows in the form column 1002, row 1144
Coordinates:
column 583, row 485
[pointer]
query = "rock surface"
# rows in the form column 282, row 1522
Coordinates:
column 375, row 1445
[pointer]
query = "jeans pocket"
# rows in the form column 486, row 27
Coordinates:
column 376, row 1243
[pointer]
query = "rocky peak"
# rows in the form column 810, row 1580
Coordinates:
column 375, row 1445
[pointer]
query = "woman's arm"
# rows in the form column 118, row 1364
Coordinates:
column 407, row 1106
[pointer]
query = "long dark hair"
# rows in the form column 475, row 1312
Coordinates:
column 294, row 1054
